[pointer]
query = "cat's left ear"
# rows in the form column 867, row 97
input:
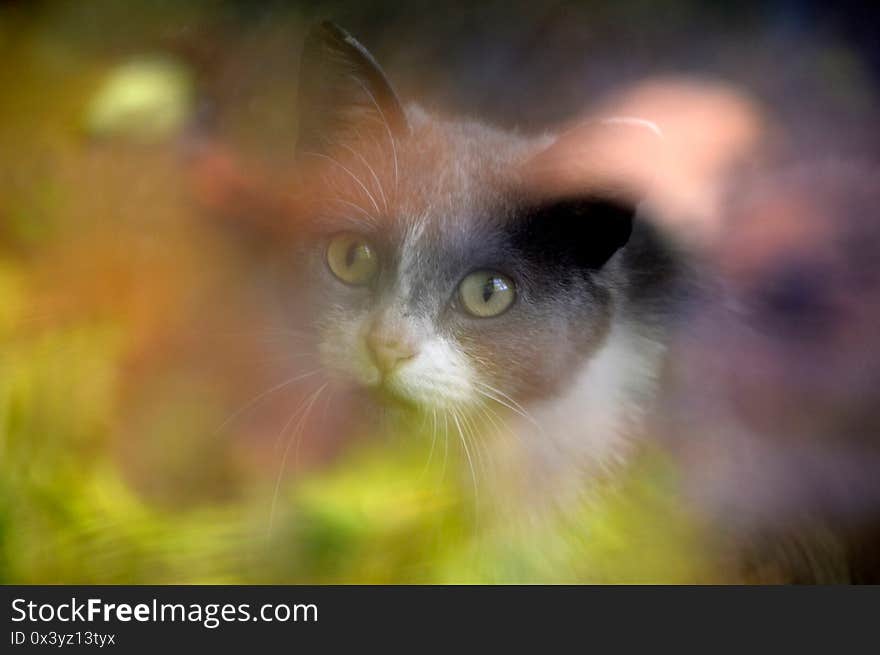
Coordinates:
column 581, row 192
column 343, row 93
column 613, row 157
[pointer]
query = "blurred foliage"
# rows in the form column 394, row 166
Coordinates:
column 67, row 513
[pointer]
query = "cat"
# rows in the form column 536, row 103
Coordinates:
column 479, row 276
column 500, row 287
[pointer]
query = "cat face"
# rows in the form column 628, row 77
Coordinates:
column 437, row 274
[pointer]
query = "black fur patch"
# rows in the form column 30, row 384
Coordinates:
column 584, row 232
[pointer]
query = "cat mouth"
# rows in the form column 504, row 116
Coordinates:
column 386, row 392
column 388, row 388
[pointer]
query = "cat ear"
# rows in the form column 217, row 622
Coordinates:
column 583, row 189
column 343, row 93
column 614, row 157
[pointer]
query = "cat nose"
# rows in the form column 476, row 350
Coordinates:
column 389, row 349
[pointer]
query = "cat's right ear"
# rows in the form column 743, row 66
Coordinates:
column 343, row 93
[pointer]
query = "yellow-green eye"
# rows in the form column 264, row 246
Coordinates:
column 486, row 293
column 352, row 259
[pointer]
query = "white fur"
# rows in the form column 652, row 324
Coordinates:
column 590, row 428
column 440, row 375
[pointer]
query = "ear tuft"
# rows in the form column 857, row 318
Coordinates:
column 633, row 122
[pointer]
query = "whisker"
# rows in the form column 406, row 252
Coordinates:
column 372, row 172
column 466, row 451
column 472, row 432
column 445, row 444
column 290, row 420
column 496, row 421
column 352, row 175
column 269, row 391
column 300, row 424
column 384, row 122
column 433, row 442
column 512, row 405
column 293, row 415
column 502, row 394
column 373, row 219
column 299, row 434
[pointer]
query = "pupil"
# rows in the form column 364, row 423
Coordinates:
column 351, row 255
column 488, row 289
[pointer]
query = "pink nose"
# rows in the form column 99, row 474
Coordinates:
column 389, row 348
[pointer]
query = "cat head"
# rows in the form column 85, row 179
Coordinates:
column 450, row 262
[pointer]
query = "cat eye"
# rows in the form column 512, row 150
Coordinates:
column 486, row 293
column 352, row 259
